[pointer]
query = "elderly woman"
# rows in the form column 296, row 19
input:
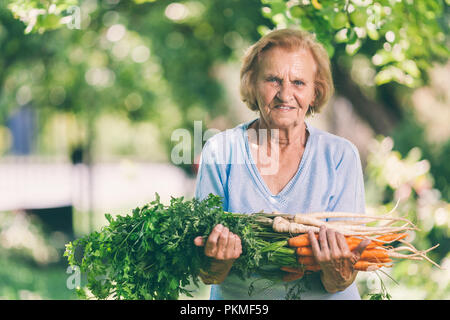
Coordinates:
column 278, row 162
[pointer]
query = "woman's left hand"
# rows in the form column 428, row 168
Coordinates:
column 335, row 258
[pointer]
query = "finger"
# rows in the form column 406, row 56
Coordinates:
column 314, row 244
column 237, row 247
column 361, row 247
column 332, row 243
column 199, row 241
column 324, row 242
column 229, row 251
column 342, row 243
column 211, row 243
column 222, row 243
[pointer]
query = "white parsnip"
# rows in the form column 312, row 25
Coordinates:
column 280, row 224
column 312, row 221
column 330, row 215
column 296, row 228
column 349, row 229
column 349, row 222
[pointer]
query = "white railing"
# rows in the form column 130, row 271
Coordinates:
column 37, row 182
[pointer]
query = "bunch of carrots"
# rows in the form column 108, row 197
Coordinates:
column 381, row 251
column 373, row 257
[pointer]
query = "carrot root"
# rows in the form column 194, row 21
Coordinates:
column 292, row 276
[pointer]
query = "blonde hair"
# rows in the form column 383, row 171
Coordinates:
column 288, row 39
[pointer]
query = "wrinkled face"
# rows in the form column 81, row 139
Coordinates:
column 285, row 86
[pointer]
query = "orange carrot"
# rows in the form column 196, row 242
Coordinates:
column 304, row 251
column 352, row 242
column 353, row 245
column 313, row 268
column 381, row 240
column 379, row 260
column 369, row 254
column 389, row 238
column 310, row 261
column 362, row 265
column 375, row 254
column 307, row 260
column 301, row 240
column 291, row 276
column 292, row 270
column 292, row 273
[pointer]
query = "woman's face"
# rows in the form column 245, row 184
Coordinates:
column 285, row 86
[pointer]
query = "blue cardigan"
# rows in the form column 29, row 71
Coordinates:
column 329, row 178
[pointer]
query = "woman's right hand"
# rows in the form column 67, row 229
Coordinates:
column 221, row 244
column 223, row 247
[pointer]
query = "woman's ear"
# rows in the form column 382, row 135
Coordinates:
column 317, row 94
column 311, row 111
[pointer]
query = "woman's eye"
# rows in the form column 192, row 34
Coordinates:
column 298, row 82
column 273, row 80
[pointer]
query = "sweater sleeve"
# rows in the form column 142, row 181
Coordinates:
column 211, row 175
column 349, row 195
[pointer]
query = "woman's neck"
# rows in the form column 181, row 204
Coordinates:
column 287, row 137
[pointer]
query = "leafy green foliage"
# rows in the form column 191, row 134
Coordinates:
column 400, row 38
column 40, row 16
column 151, row 254
column 133, row 60
column 379, row 296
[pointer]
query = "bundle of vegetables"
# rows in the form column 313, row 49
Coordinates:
column 379, row 253
column 151, row 254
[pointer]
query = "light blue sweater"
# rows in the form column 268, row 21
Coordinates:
column 329, row 178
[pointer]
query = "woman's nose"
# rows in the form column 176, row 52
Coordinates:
column 285, row 93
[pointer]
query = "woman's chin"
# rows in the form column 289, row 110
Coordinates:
column 284, row 122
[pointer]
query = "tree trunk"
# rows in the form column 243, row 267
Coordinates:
column 381, row 117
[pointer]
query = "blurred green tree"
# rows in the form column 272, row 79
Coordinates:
column 379, row 48
column 146, row 60
column 134, row 58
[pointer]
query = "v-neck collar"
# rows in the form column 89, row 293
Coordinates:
column 251, row 164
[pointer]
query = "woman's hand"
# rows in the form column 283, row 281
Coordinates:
column 221, row 244
column 223, row 247
column 335, row 258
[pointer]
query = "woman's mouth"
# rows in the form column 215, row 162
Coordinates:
column 283, row 107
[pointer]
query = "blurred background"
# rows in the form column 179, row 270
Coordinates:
column 92, row 91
